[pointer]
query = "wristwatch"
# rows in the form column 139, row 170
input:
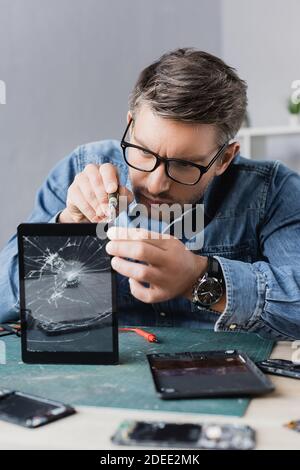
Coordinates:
column 209, row 288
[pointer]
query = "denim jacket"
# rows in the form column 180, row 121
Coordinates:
column 252, row 227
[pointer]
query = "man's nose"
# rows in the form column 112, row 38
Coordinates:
column 158, row 182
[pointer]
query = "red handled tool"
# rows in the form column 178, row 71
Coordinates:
column 148, row 336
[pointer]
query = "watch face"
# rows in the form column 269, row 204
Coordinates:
column 209, row 291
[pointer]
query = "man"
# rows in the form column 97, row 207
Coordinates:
column 185, row 110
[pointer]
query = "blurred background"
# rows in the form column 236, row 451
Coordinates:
column 69, row 66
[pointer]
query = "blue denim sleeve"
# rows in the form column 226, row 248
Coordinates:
column 264, row 297
column 50, row 200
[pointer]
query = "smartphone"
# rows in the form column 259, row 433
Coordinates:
column 185, row 435
column 281, row 367
column 207, row 374
column 31, row 411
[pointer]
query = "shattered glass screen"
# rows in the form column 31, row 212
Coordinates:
column 68, row 294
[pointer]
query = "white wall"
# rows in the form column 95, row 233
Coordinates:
column 261, row 38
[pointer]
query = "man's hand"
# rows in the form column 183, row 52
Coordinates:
column 87, row 199
column 165, row 264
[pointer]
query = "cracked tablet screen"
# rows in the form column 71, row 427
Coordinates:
column 68, row 294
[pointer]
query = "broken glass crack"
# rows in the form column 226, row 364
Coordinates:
column 67, row 283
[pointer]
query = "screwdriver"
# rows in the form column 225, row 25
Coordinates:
column 113, row 199
column 148, row 336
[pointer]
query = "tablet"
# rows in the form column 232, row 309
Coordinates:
column 207, row 374
column 67, row 295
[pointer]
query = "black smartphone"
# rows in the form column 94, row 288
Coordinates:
column 185, row 435
column 207, row 374
column 281, row 367
column 31, row 411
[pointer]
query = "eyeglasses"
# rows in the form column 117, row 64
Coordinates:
column 181, row 171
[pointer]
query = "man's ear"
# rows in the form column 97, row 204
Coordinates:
column 129, row 116
column 227, row 157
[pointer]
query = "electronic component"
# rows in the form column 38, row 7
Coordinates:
column 207, row 374
column 281, row 367
column 185, row 435
column 294, row 425
column 30, row 411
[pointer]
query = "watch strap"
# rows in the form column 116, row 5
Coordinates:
column 214, row 269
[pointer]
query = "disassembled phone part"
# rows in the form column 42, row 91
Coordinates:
column 294, row 425
column 29, row 410
column 281, row 367
column 187, row 435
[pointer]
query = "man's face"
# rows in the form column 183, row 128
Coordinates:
column 193, row 142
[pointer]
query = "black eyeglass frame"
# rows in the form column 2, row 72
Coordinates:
column 203, row 169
